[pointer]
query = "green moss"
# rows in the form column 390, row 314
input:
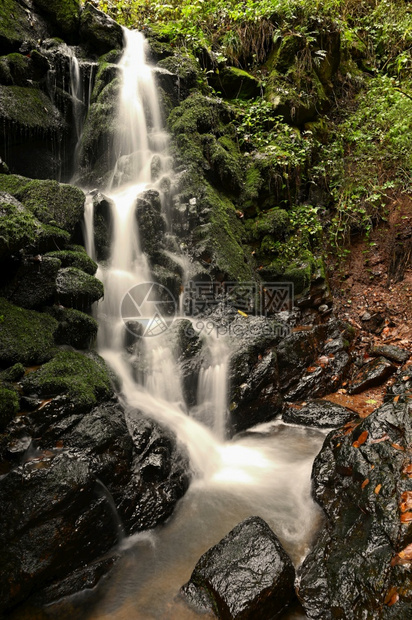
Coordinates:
column 275, row 222
column 9, row 405
column 78, row 259
column 224, row 159
column 15, row 69
column 196, row 114
column 29, row 108
column 235, row 83
column 18, row 227
column 85, row 381
column 54, row 203
column 64, row 14
column 299, row 270
column 14, row 25
column 26, row 336
column 77, row 289
column 225, row 237
column 12, row 374
column 185, row 67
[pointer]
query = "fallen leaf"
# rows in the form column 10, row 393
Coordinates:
column 394, row 599
column 395, row 400
column 407, row 470
column 378, row 488
column 390, row 596
column 365, row 483
column 406, row 554
column 397, row 447
column 361, row 439
column 406, row 502
column 406, row 517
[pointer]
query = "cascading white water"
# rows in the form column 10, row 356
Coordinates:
column 265, row 472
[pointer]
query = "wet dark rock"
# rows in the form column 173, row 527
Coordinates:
column 246, row 575
column 254, row 374
column 313, row 361
column 34, row 284
column 361, row 478
column 371, row 374
column 395, row 354
column 52, row 522
column 99, row 32
column 401, row 388
column 102, row 223
column 161, row 475
column 373, row 322
column 319, row 413
column 151, row 223
column 76, row 289
column 75, row 328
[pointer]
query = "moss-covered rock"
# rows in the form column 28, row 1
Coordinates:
column 96, row 156
column 9, row 405
column 75, row 328
column 186, row 71
column 26, row 336
column 18, row 226
column 12, row 374
column 17, row 25
column 77, row 289
column 52, row 203
column 198, row 113
column 98, row 32
column 224, row 159
column 30, row 108
column 235, row 83
column 76, row 257
column 63, row 14
column 85, row 381
column 34, row 284
column 15, row 69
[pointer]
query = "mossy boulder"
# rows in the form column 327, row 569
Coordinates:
column 198, row 114
column 30, row 108
column 76, row 257
column 17, row 25
column 235, row 83
column 98, row 31
column 18, row 226
column 34, row 284
column 85, row 381
column 75, row 328
column 22, row 69
column 303, row 271
column 77, row 289
column 186, row 72
column 63, row 14
column 102, row 124
column 9, row 405
column 52, row 203
column 12, row 374
column 224, row 159
column 26, row 336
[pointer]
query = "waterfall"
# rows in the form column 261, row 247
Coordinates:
column 265, row 472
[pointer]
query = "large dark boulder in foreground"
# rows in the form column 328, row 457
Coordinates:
column 319, row 413
column 360, row 565
column 83, row 481
column 247, row 575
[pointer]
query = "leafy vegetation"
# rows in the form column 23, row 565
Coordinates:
column 331, row 113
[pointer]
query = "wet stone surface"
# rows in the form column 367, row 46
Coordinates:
column 247, row 575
